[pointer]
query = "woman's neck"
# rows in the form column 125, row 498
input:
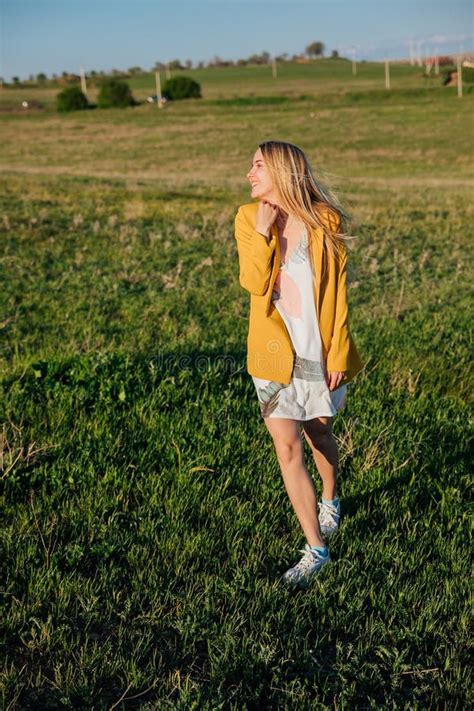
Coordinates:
column 287, row 222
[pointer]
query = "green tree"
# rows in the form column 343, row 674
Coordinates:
column 181, row 88
column 115, row 93
column 315, row 49
column 71, row 99
column 262, row 58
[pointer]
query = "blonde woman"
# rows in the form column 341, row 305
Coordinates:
column 300, row 352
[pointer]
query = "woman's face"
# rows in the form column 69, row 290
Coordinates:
column 259, row 178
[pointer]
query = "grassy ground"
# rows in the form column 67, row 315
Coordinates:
column 145, row 523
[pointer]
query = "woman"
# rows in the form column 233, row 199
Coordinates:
column 300, row 353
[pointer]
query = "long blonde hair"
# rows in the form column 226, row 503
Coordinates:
column 305, row 196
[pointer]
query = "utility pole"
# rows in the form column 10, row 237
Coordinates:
column 354, row 63
column 436, row 69
column 459, row 72
column 428, row 61
column 83, row 82
column 274, row 68
column 168, row 71
column 159, row 98
column 418, row 54
column 387, row 74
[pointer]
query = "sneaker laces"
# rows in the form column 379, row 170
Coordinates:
column 328, row 514
column 307, row 561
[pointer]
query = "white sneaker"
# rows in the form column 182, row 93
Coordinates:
column 310, row 564
column 329, row 516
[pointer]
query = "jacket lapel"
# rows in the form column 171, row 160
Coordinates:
column 275, row 268
column 316, row 248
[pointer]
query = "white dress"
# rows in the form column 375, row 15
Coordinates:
column 307, row 395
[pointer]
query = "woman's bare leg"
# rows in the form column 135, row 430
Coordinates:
column 289, row 449
column 318, row 434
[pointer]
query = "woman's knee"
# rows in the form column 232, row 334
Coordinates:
column 318, row 431
column 288, row 451
column 286, row 436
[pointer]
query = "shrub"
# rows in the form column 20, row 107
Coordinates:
column 181, row 88
column 115, row 93
column 71, row 99
column 467, row 74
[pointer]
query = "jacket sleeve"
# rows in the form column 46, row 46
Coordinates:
column 255, row 255
column 338, row 355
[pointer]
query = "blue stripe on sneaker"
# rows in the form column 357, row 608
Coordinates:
column 323, row 551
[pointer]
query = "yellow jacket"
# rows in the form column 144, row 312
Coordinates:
column 269, row 347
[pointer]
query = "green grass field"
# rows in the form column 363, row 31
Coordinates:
column 145, row 521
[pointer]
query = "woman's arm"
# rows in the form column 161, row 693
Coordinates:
column 255, row 252
column 338, row 355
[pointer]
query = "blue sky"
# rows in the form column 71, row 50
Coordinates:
column 60, row 35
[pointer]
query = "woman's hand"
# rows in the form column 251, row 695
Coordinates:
column 333, row 379
column 266, row 216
